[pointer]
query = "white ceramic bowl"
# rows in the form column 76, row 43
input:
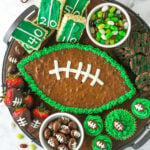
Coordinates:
column 122, row 10
column 53, row 117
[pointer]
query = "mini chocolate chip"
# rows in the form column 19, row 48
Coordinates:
column 64, row 129
column 12, row 69
column 72, row 125
column 61, row 138
column 75, row 134
column 52, row 141
column 62, row 147
column 72, row 144
column 47, row 133
column 56, row 126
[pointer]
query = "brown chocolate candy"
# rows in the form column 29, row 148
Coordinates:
column 118, row 125
column 62, row 147
column 19, row 51
column 140, row 107
column 13, row 59
column 72, row 125
column 64, row 129
column 75, row 134
column 101, row 144
column 65, row 120
column 50, row 126
column 105, row 15
column 72, row 144
column 52, row 141
column 12, row 69
column 47, row 133
column 61, row 138
column 56, row 125
column 92, row 124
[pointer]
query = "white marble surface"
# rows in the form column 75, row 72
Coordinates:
column 9, row 10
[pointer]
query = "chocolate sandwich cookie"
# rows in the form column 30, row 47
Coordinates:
column 143, row 81
column 141, row 108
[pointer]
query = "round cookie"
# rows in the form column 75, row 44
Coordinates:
column 141, row 108
column 120, row 124
column 102, row 142
column 143, row 82
column 93, row 125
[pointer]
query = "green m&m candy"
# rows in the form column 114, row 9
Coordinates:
column 109, row 35
column 122, row 33
column 100, row 14
column 112, row 9
column 114, row 28
column 115, row 19
column 110, row 14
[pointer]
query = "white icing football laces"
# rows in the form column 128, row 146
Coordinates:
column 22, row 122
column 118, row 126
column 35, row 124
column 78, row 72
column 138, row 107
column 59, row 138
column 100, row 144
column 12, row 59
column 91, row 125
column 51, row 143
column 17, row 101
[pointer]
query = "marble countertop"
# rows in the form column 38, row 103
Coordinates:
column 9, row 10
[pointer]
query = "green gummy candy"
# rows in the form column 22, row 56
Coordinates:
column 32, row 147
column 20, row 136
column 98, row 35
column 108, row 30
column 98, row 39
column 107, row 26
column 107, row 19
column 101, row 26
column 98, row 21
column 114, row 28
column 112, row 42
column 122, row 33
column 109, row 35
column 121, row 23
column 110, row 14
column 102, row 41
column 99, row 14
column 112, row 9
column 119, row 37
column 93, row 17
column 115, row 19
column 116, row 40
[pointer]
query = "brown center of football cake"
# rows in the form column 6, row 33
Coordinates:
column 76, row 78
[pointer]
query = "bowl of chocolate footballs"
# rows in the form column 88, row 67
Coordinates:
column 61, row 131
column 108, row 25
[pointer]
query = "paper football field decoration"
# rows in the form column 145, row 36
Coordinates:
column 77, row 78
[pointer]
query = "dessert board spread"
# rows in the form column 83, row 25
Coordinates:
column 54, row 66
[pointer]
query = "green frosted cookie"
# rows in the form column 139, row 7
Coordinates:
column 30, row 34
column 71, row 29
column 93, row 125
column 76, row 7
column 120, row 124
column 141, row 108
column 50, row 13
column 102, row 142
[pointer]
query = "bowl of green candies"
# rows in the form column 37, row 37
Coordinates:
column 108, row 25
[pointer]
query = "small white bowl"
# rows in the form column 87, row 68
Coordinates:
column 122, row 10
column 52, row 118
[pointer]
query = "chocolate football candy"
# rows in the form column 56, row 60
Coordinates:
column 56, row 125
column 72, row 125
column 64, row 129
column 72, row 144
column 52, row 141
column 118, row 125
column 75, row 134
column 47, row 133
column 61, row 138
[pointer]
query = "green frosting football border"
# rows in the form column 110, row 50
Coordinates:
column 93, row 132
column 63, row 108
column 126, row 118
column 104, row 138
column 141, row 114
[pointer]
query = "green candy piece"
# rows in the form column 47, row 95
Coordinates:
column 115, row 19
column 121, row 23
column 98, row 21
column 112, row 42
column 110, row 14
column 102, row 41
column 108, row 30
column 119, row 37
column 107, row 26
column 101, row 26
column 141, row 108
column 116, row 40
column 93, row 17
column 32, row 147
column 98, row 39
column 109, row 35
column 114, row 28
column 107, row 42
column 100, row 14
column 98, row 35
column 112, row 9
column 20, row 136
column 102, row 138
column 107, row 19
column 122, row 33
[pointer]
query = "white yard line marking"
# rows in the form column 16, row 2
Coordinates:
column 78, row 72
column 75, row 6
column 50, row 12
column 28, row 33
column 71, row 32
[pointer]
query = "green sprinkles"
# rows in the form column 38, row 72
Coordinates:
column 93, row 125
column 126, row 119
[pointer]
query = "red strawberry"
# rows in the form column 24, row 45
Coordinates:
column 28, row 100
column 22, row 116
column 40, row 113
column 13, row 98
column 15, row 81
